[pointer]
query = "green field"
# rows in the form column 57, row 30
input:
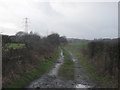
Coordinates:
column 79, row 44
column 13, row 46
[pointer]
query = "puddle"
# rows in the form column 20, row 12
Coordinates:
column 73, row 58
column 81, row 86
column 54, row 71
column 52, row 81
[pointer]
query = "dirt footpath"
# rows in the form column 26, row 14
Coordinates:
column 81, row 78
column 51, row 79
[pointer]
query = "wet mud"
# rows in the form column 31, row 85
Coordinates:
column 51, row 79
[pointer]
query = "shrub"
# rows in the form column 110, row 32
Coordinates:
column 104, row 55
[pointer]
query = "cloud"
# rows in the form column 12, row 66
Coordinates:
column 73, row 19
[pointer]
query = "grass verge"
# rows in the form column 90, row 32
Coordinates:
column 102, row 80
column 28, row 77
column 66, row 70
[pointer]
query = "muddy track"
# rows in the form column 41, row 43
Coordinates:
column 51, row 79
column 81, row 78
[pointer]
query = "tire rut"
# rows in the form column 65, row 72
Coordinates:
column 51, row 80
column 81, row 78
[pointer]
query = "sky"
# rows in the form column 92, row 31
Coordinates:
column 73, row 19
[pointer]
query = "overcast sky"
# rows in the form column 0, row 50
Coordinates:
column 84, row 20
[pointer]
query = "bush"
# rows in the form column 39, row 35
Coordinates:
column 25, row 52
column 104, row 55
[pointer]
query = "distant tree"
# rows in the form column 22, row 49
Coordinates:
column 31, row 33
column 6, row 39
column 31, row 40
column 20, row 33
column 63, row 40
column 54, row 39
